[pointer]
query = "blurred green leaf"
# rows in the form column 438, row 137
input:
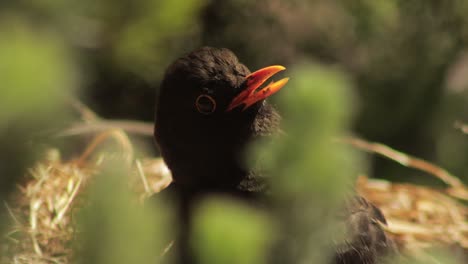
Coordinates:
column 229, row 232
column 138, row 37
column 316, row 107
column 115, row 228
column 36, row 71
column 311, row 173
column 144, row 41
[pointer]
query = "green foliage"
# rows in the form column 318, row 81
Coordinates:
column 397, row 53
column 230, row 232
column 133, row 36
column 310, row 173
column 143, row 41
column 35, row 68
column 37, row 73
column 374, row 17
column 315, row 108
column 115, row 229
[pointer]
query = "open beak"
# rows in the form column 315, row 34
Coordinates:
column 253, row 93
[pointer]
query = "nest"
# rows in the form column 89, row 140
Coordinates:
column 42, row 210
column 419, row 218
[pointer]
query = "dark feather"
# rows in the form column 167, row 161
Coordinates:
column 206, row 152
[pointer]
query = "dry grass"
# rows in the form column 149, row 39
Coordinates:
column 419, row 217
column 42, row 211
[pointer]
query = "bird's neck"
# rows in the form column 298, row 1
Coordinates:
column 215, row 161
column 207, row 164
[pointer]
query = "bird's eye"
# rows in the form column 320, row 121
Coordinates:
column 205, row 104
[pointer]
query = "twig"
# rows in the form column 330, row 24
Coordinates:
column 463, row 127
column 91, row 146
column 92, row 123
column 119, row 135
column 406, row 160
column 86, row 113
column 10, row 212
column 167, row 248
column 62, row 212
column 143, row 177
column 130, row 126
column 34, row 206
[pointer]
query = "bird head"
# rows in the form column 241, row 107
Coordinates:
column 207, row 110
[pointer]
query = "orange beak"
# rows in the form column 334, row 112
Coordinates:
column 252, row 93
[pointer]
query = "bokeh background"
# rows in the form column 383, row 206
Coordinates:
column 405, row 62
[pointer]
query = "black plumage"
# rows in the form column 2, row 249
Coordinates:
column 204, row 151
column 366, row 242
column 203, row 145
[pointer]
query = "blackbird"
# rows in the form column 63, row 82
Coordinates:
column 210, row 107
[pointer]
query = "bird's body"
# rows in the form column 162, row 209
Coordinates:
column 202, row 132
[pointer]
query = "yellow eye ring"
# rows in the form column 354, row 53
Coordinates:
column 205, row 104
